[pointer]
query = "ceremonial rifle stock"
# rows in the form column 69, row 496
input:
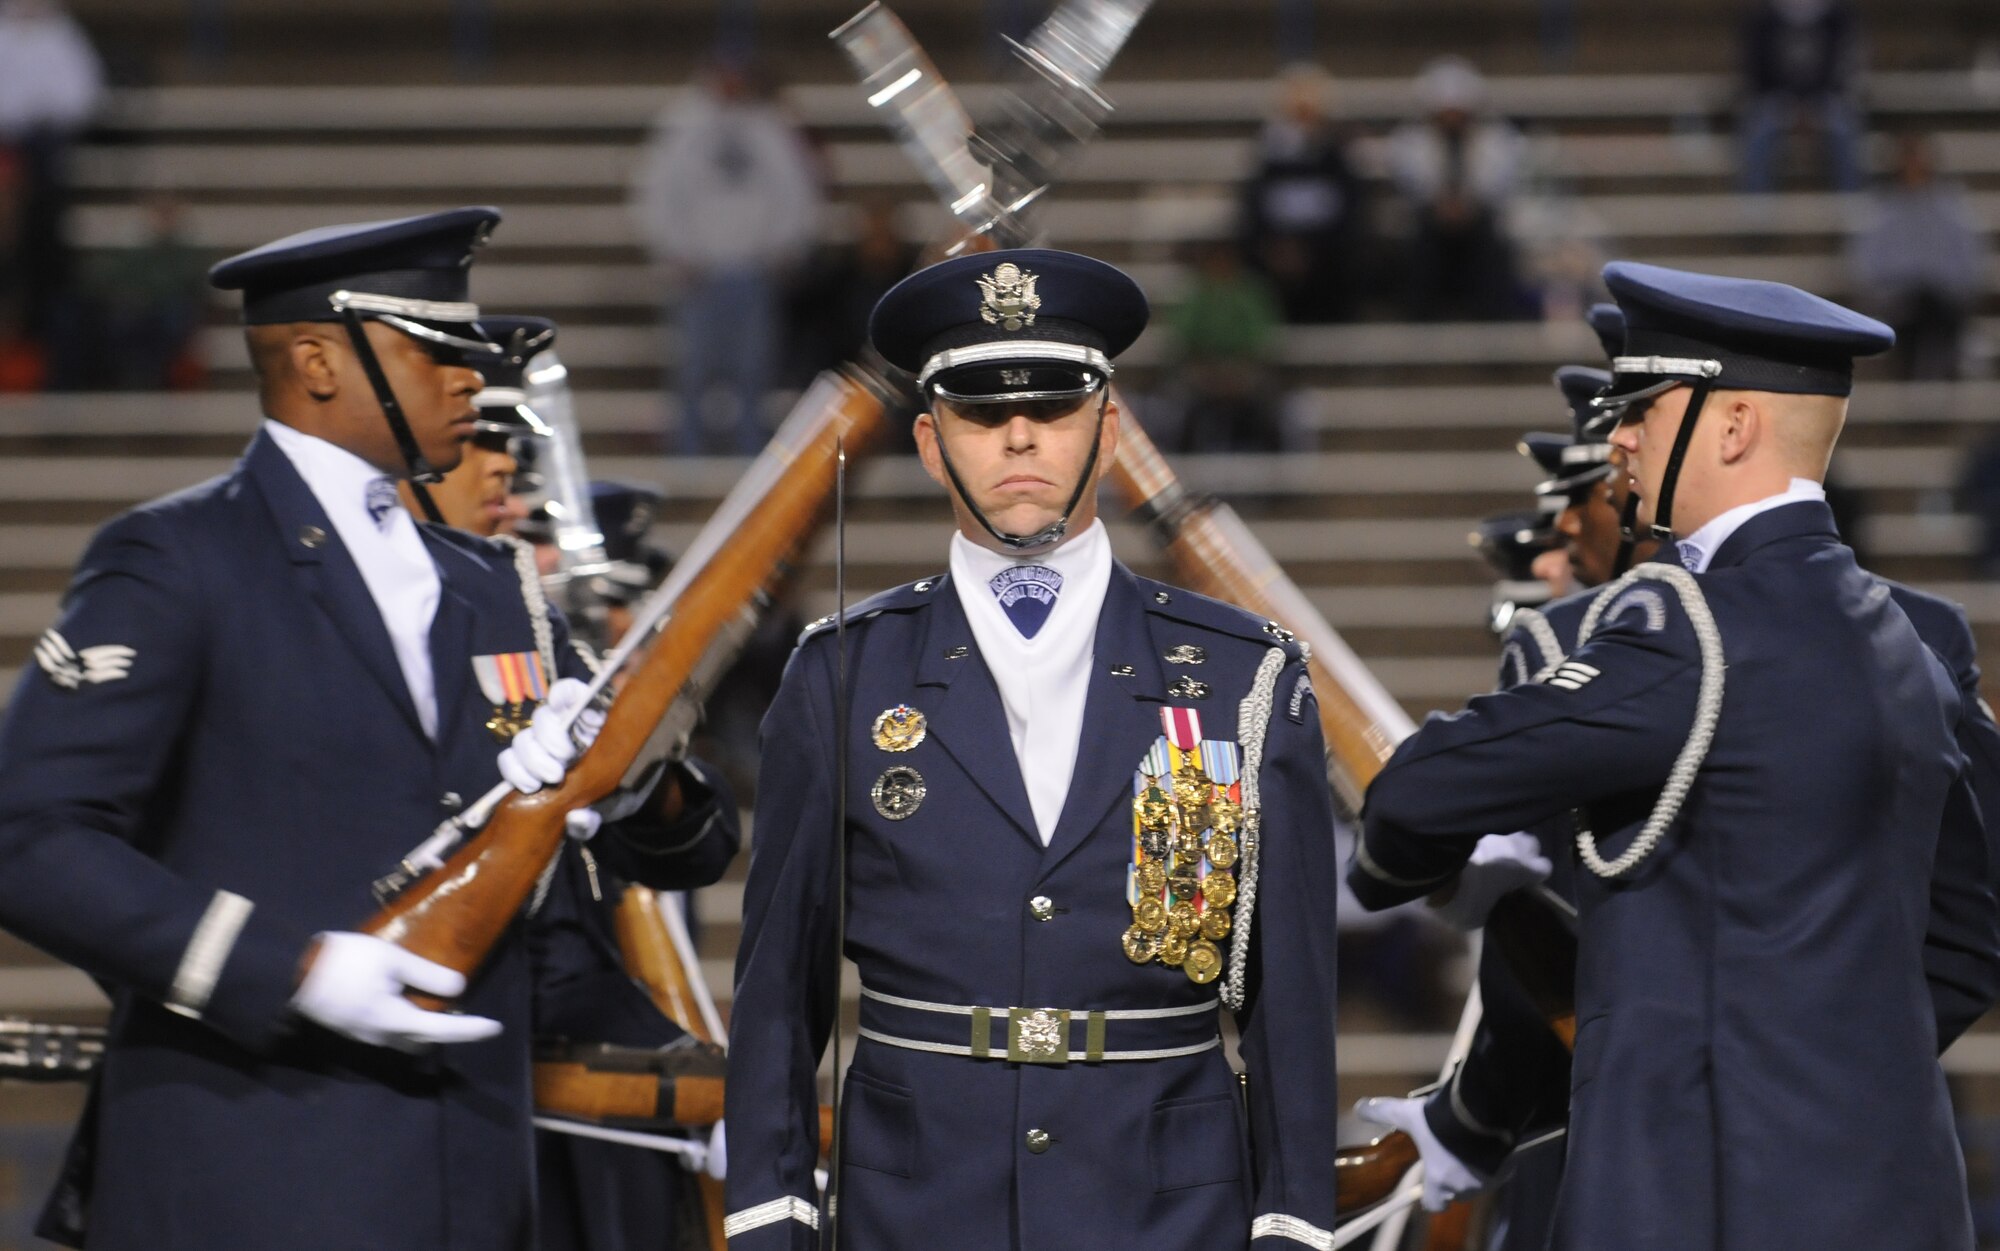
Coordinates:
column 454, row 915
column 1215, row 553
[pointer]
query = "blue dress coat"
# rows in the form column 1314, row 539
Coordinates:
column 1755, row 1059
column 960, row 903
column 262, row 742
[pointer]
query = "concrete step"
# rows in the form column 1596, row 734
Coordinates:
column 279, row 165
column 386, row 109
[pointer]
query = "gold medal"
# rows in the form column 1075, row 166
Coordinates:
column 1140, row 947
column 900, row 728
column 1219, row 889
column 1150, row 915
column 1203, row 962
column 1183, row 883
column 1152, row 878
column 1191, row 789
column 1225, row 815
column 1221, row 850
column 1215, row 923
column 1173, row 949
column 1183, row 920
column 508, row 720
column 1153, row 810
column 1187, row 844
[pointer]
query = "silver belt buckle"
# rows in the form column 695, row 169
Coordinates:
column 1037, row 1036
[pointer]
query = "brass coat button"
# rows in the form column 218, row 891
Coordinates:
column 1039, row 1140
column 1042, row 908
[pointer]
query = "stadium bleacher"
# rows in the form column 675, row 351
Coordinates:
column 1412, row 427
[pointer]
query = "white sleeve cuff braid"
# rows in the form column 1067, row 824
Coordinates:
column 1277, row 1225
column 790, row 1208
column 207, row 951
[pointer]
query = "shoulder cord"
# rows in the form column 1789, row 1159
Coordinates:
column 1253, row 723
column 536, row 603
column 1707, row 712
column 1544, row 634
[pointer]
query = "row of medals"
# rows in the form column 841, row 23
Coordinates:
column 1166, row 923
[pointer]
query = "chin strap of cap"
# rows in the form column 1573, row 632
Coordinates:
column 421, row 470
column 1049, row 535
column 1628, row 534
column 1663, row 509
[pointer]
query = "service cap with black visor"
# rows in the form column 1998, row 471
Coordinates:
column 1713, row 333
column 408, row 273
column 1022, row 327
column 504, row 412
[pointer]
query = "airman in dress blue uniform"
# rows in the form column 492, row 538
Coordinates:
column 1085, row 810
column 1756, row 865
column 1507, row 1103
column 261, row 694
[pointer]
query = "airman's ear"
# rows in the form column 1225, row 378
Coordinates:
column 313, row 359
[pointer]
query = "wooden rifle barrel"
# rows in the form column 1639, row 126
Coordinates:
column 1365, row 1175
column 1214, row 552
column 456, row 914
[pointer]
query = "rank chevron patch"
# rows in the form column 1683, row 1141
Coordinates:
column 70, row 668
column 1572, row 676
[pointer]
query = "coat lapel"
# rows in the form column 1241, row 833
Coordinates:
column 327, row 572
column 1121, row 716
column 967, row 717
column 451, row 643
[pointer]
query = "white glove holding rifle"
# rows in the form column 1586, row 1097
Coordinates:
column 354, row 985
column 541, row 754
column 1447, row 1179
column 1500, row 863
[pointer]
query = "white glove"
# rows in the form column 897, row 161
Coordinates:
column 581, row 823
column 1446, row 1177
column 717, row 1164
column 1500, row 863
column 540, row 754
column 355, row 987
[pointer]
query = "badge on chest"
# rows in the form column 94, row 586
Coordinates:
column 513, row 682
column 1187, row 809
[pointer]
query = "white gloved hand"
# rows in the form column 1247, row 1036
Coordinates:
column 1447, row 1179
column 1500, row 863
column 717, row 1163
column 540, row 754
column 582, row 823
column 355, row 987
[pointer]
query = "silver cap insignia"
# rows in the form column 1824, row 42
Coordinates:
column 1007, row 297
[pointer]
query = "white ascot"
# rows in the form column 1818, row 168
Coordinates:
column 1043, row 680
column 386, row 548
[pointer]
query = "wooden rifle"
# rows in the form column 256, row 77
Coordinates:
column 686, row 632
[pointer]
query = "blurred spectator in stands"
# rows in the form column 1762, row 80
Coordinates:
column 1801, row 68
column 830, row 302
column 51, row 82
column 130, row 322
column 726, row 203
column 1919, row 262
column 1304, row 218
column 1458, row 168
column 1226, row 333
column 22, row 363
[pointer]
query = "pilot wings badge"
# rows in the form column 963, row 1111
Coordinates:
column 70, row 668
column 1007, row 297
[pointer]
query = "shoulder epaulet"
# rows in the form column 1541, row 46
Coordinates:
column 1201, row 611
column 904, row 598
